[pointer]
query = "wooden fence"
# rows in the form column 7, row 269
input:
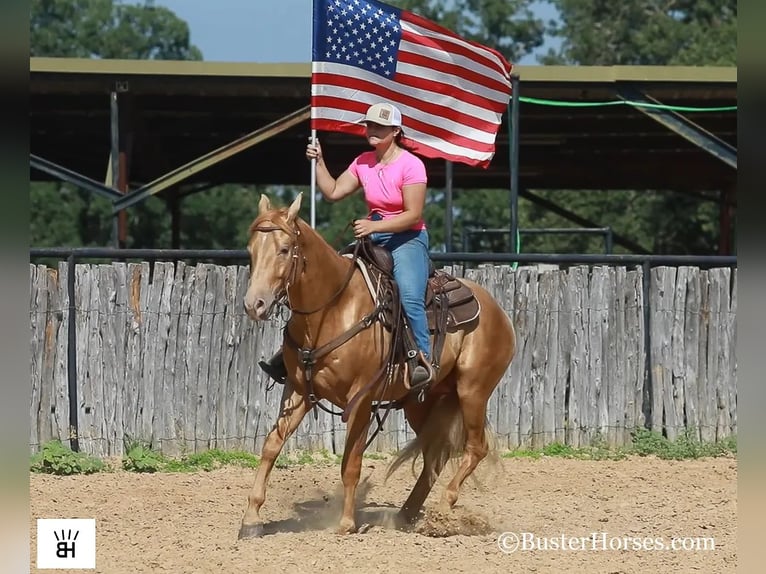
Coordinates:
column 166, row 355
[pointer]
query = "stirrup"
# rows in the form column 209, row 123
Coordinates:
column 420, row 389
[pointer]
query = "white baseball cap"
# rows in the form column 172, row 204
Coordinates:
column 384, row 114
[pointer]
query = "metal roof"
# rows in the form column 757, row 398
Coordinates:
column 182, row 110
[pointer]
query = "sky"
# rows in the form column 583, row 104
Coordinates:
column 264, row 31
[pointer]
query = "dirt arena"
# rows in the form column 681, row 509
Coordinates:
column 188, row 523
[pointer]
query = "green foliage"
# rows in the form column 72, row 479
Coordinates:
column 55, row 458
column 686, row 446
column 108, row 29
column 323, row 456
column 643, row 443
column 139, row 457
column 645, row 32
column 661, row 222
column 210, row 460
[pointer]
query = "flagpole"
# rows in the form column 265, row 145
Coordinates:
column 448, row 207
column 313, row 182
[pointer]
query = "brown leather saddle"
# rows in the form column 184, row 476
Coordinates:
column 450, row 303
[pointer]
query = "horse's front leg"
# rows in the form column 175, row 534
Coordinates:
column 294, row 408
column 351, row 469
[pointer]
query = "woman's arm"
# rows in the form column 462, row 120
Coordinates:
column 332, row 189
column 414, row 202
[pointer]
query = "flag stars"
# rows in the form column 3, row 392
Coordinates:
column 360, row 34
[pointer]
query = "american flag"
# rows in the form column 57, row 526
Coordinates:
column 452, row 92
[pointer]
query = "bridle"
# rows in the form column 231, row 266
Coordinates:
column 283, row 294
column 309, row 356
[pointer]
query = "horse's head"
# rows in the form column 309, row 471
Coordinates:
column 274, row 254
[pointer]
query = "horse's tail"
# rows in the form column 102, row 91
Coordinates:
column 441, row 438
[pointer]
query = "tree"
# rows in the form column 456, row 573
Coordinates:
column 108, row 29
column 61, row 214
column 645, row 32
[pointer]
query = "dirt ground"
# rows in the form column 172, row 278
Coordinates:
column 188, row 523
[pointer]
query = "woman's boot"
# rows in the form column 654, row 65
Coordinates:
column 421, row 377
column 275, row 367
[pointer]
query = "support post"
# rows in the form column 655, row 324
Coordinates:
column 74, row 430
column 119, row 164
column 648, row 394
column 514, row 161
column 114, row 158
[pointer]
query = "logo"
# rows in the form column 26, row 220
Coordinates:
column 66, row 543
column 384, row 114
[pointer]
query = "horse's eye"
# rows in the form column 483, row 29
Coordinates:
column 284, row 250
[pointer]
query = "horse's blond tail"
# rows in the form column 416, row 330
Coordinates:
column 441, row 438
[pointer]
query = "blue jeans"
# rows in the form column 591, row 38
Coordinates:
column 410, row 253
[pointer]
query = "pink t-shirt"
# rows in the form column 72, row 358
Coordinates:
column 383, row 183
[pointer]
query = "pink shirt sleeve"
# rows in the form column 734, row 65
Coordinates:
column 414, row 171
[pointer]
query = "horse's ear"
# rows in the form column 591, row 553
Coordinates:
column 264, row 205
column 295, row 207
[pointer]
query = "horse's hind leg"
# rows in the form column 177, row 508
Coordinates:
column 434, row 422
column 294, row 408
column 416, row 414
column 473, row 404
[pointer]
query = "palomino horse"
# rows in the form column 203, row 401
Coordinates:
column 290, row 262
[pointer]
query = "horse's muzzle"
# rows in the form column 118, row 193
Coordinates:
column 260, row 310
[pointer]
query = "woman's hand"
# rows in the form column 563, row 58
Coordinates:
column 363, row 227
column 314, row 150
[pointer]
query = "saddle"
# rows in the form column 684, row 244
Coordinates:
column 450, row 303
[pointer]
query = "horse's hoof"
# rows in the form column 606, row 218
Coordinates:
column 346, row 527
column 250, row 531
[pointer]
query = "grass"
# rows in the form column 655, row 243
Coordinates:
column 643, row 443
column 56, row 458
